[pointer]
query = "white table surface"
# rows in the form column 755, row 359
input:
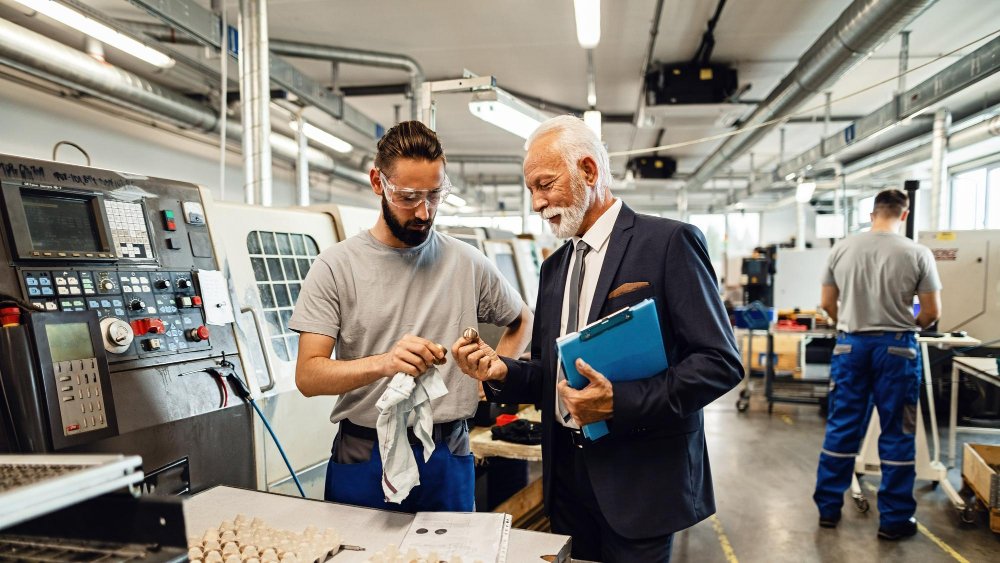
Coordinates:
column 987, row 366
column 372, row 529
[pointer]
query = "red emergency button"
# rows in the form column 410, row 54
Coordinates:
column 72, row 427
column 198, row 334
column 148, row 326
column 196, row 301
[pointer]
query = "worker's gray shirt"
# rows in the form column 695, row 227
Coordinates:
column 368, row 295
column 878, row 273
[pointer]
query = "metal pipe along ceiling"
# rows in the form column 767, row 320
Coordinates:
column 50, row 60
column 859, row 30
column 358, row 57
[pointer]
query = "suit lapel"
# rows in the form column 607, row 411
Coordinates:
column 620, row 237
column 556, row 298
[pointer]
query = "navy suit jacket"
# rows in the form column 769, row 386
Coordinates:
column 651, row 475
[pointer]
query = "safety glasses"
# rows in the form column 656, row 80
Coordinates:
column 408, row 198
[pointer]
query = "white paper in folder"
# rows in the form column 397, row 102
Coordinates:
column 482, row 536
column 215, row 297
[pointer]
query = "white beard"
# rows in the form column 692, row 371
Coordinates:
column 570, row 217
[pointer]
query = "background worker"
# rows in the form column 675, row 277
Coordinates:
column 385, row 298
column 868, row 290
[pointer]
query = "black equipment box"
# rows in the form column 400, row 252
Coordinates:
column 655, row 167
column 687, row 83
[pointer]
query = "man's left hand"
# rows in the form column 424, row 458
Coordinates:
column 592, row 403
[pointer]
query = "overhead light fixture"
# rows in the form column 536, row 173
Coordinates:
column 588, row 22
column 99, row 31
column 322, row 137
column 804, row 192
column 506, row 112
column 593, row 120
column 455, row 201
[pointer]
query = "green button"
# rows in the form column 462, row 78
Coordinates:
column 168, row 214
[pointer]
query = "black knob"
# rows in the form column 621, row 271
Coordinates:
column 137, row 305
column 183, row 283
column 163, row 284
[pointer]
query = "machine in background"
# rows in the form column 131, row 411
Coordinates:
column 269, row 252
column 968, row 263
column 123, row 351
column 757, row 276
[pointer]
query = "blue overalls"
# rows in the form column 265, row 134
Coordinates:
column 883, row 368
column 447, row 482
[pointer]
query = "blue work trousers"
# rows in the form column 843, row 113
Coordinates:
column 447, row 482
column 884, row 369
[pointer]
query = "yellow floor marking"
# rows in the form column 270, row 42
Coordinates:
column 940, row 543
column 727, row 548
column 930, row 535
column 787, row 420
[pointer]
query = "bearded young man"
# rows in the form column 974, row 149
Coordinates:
column 384, row 299
column 623, row 496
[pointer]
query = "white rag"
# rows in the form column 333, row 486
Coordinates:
column 406, row 394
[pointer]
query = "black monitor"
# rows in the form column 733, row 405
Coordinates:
column 48, row 222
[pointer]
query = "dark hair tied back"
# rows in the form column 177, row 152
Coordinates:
column 408, row 139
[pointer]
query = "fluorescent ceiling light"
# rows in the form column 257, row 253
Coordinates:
column 804, row 192
column 593, row 120
column 99, row 31
column 505, row 111
column 322, row 137
column 456, row 201
column 588, row 22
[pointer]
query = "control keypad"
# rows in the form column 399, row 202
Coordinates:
column 128, row 229
column 81, row 396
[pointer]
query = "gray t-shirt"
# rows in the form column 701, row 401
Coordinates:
column 878, row 273
column 368, row 295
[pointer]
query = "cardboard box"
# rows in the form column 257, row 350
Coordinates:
column 979, row 463
column 786, row 350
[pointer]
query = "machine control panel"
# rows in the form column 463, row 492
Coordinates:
column 162, row 309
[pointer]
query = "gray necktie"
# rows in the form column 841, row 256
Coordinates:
column 575, row 284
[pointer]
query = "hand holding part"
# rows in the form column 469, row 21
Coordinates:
column 593, row 403
column 413, row 356
column 477, row 359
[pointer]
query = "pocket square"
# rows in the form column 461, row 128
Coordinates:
column 627, row 288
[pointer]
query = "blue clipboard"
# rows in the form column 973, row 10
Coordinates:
column 623, row 346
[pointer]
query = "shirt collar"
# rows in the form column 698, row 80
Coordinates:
column 600, row 232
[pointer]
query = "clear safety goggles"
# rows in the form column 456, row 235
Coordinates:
column 409, row 198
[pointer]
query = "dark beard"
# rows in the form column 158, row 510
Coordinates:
column 404, row 233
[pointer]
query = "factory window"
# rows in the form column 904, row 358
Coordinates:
column 968, row 200
column 280, row 262
column 975, row 199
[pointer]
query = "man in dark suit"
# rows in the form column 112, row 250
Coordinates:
column 623, row 496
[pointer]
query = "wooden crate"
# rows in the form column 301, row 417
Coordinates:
column 983, row 479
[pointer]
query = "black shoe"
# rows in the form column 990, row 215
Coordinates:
column 898, row 531
column 829, row 521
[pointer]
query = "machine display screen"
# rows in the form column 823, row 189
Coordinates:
column 70, row 341
column 60, row 223
column 505, row 263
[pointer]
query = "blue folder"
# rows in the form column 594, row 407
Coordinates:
column 623, row 346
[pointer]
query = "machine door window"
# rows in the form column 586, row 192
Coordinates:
column 280, row 262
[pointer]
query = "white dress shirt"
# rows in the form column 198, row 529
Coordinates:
column 597, row 237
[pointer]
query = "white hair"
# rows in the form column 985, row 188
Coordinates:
column 575, row 140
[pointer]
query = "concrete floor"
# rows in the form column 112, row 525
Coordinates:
column 764, row 469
